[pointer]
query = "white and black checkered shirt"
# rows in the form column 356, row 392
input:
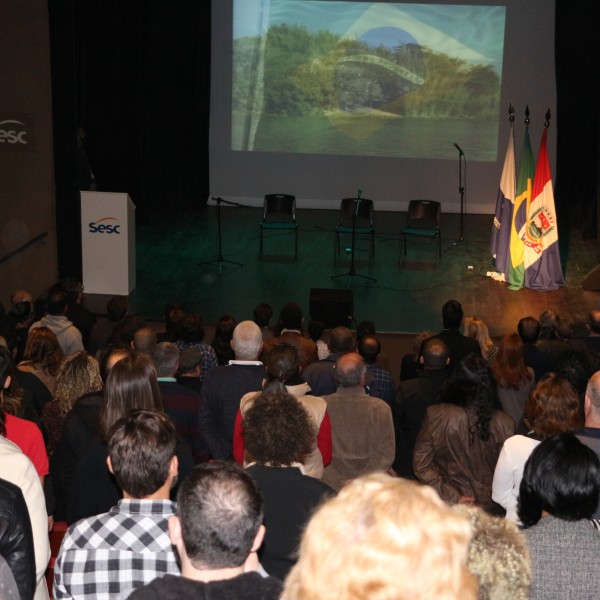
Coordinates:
column 109, row 555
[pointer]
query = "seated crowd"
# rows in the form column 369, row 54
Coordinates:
column 272, row 462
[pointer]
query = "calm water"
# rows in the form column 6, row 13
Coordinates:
column 418, row 138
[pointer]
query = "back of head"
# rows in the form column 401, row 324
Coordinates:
column 73, row 287
column 509, row 366
column 277, row 430
column 365, row 328
column 79, row 374
column 220, row 510
column 552, row 407
column 43, row 350
column 350, row 370
column 144, row 340
column 549, row 320
column 141, row 447
column 247, row 340
column 165, row 357
column 369, row 348
column 189, row 360
column 383, row 538
column 283, row 363
column 262, row 314
column 452, row 314
column 562, row 478
column 131, row 385
column 57, row 302
column 125, row 329
column 191, row 328
column 291, row 316
column 117, row 307
column 341, row 340
column 529, row 330
column 435, row 354
column 498, row 556
column 173, row 316
column 472, row 386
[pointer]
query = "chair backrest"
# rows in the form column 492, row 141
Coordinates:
column 363, row 217
column 424, row 214
column 278, row 207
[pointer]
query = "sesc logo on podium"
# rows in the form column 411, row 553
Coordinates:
column 109, row 225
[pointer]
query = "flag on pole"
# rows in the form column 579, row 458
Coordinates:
column 542, row 258
column 516, row 271
column 504, row 209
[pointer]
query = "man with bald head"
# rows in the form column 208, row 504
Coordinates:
column 590, row 434
column 413, row 396
column 362, row 430
column 144, row 341
column 320, row 375
column 224, row 387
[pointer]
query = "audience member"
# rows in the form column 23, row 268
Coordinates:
column 78, row 375
column 534, row 357
column 125, row 329
column 279, row 433
column 413, row 396
column 144, row 341
column 116, row 309
column 320, row 375
column 80, row 316
column 69, row 337
column 362, row 429
column 590, row 434
column 410, row 368
column 217, row 531
column 189, row 334
column 380, row 382
column 460, row 439
column 181, row 403
column 498, row 556
column 224, row 387
column 475, row 328
column 459, row 345
column 383, row 537
column 559, row 493
column 111, row 554
column 223, row 337
column 262, row 317
column 190, row 369
column 283, row 375
column 42, row 359
column 514, row 380
column 291, row 321
column 173, row 315
column 551, row 408
column 16, row 543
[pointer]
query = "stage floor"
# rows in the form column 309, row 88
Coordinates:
column 406, row 296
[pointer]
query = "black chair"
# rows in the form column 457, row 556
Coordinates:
column 279, row 213
column 424, row 221
column 363, row 222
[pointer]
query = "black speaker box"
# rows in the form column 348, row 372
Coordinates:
column 331, row 306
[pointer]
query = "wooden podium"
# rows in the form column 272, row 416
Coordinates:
column 108, row 243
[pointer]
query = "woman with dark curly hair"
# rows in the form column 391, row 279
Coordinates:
column 552, row 407
column 283, row 375
column 189, row 334
column 278, row 434
column 558, row 494
column 460, row 439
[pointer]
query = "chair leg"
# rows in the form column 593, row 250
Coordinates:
column 260, row 244
column 296, row 244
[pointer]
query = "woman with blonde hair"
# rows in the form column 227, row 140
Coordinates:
column 78, row 375
column 475, row 328
column 383, row 538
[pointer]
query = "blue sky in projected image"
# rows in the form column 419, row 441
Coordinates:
column 472, row 33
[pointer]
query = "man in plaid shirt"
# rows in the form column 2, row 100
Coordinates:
column 109, row 555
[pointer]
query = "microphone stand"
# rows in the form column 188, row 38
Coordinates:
column 220, row 260
column 352, row 273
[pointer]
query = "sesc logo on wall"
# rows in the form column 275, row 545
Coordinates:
column 16, row 132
